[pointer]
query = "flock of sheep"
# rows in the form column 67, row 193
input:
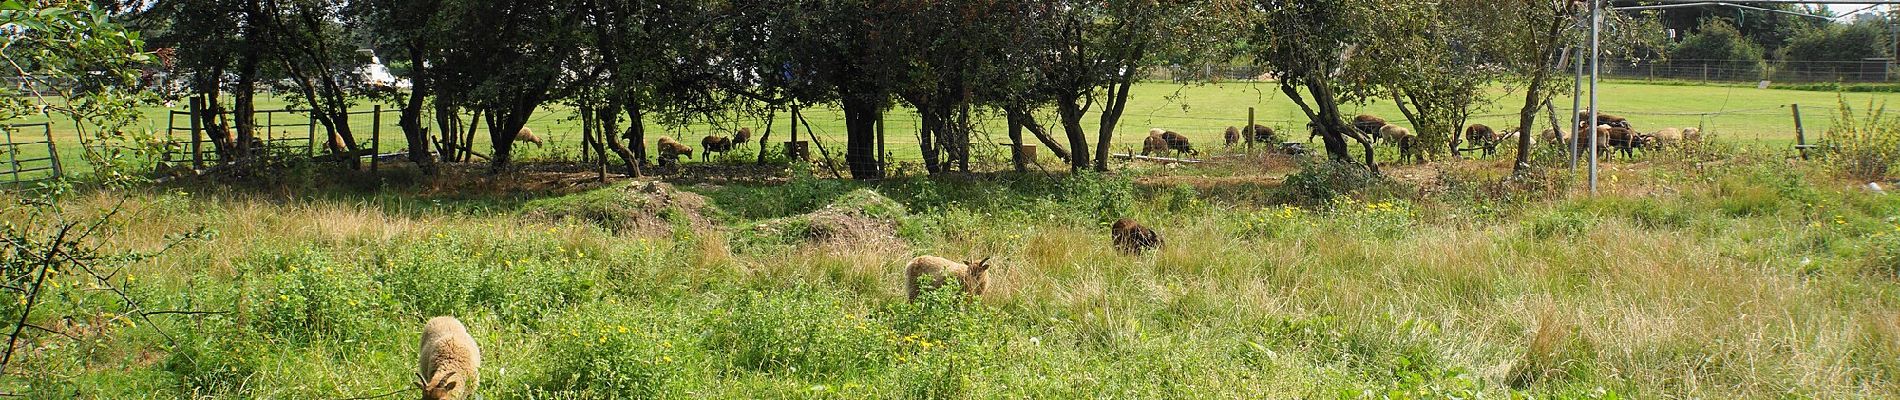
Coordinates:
column 1613, row 134
column 450, row 361
column 671, row 150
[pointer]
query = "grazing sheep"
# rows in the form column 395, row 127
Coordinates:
column 1369, row 125
column 450, row 361
column 1154, row 144
column 714, row 144
column 527, row 135
column 1665, row 137
column 1483, row 137
column 742, row 136
column 1131, row 238
column 1178, row 142
column 1232, row 135
column 671, row 150
column 1692, row 134
column 1624, row 140
column 1263, row 134
column 931, row 272
column 1552, row 136
column 1603, row 119
column 1404, row 139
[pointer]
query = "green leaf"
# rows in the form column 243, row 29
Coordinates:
column 12, row 5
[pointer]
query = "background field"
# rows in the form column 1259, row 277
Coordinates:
column 1742, row 115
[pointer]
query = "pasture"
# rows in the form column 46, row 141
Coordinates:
column 1744, row 115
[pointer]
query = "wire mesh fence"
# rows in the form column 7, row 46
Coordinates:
column 1751, row 70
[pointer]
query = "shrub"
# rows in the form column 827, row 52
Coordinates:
column 799, row 331
column 1102, row 197
column 1863, row 147
column 607, row 350
column 1320, row 181
column 310, row 298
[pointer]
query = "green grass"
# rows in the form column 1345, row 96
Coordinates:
column 1754, row 277
column 1742, row 115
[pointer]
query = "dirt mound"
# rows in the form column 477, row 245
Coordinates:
column 860, row 218
column 645, row 208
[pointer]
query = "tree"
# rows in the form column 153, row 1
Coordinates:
column 1719, row 45
column 1441, row 64
column 87, row 63
column 822, row 51
column 406, row 30
column 505, row 61
column 1838, row 42
column 1312, row 47
column 315, row 52
column 1094, row 50
column 1533, row 44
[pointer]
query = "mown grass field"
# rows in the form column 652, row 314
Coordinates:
column 1201, row 111
column 1727, row 272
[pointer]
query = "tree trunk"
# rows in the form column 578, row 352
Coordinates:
column 930, row 125
column 766, row 137
column 244, row 111
column 860, row 122
column 1111, row 115
column 962, row 143
column 1534, row 93
column 1028, row 121
column 637, row 134
column 1016, row 144
column 609, row 118
column 411, row 119
column 1071, row 112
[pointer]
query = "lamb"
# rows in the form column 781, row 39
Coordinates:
column 1178, row 142
column 927, row 273
column 714, row 144
column 742, row 136
column 1404, row 139
column 1131, row 238
column 1483, row 137
column 527, row 135
column 1232, row 135
column 671, row 150
column 1154, row 144
column 450, row 361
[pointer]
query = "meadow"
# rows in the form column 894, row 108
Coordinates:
column 1724, row 269
column 1200, row 111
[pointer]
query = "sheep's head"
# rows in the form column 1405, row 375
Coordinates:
column 979, row 278
column 442, row 386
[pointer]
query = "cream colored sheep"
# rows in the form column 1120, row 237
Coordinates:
column 527, row 135
column 931, row 272
column 450, row 361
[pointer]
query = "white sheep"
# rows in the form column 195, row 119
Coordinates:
column 934, row 271
column 450, row 360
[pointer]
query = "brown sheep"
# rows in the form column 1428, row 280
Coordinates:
column 450, row 362
column 671, row 150
column 1232, row 135
column 1131, row 238
column 1603, row 119
column 714, row 144
column 927, row 273
column 742, row 136
column 1262, row 134
column 1178, row 142
column 1369, row 125
column 1483, row 137
column 1154, row 144
column 1404, row 139
column 527, row 135
column 1692, row 134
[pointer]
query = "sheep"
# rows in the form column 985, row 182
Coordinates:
column 1624, row 140
column 1692, row 134
column 1232, row 135
column 1178, row 142
column 450, row 362
column 671, row 150
column 931, row 272
column 1602, row 119
column 1552, row 136
column 714, row 144
column 1131, row 238
column 1154, row 144
column 1483, row 137
column 1263, row 134
column 527, row 135
column 1404, row 139
column 742, row 136
column 1369, row 125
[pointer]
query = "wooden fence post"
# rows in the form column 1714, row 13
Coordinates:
column 1248, row 131
column 375, row 136
column 1800, row 136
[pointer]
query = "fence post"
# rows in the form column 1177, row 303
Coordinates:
column 310, row 134
column 375, row 136
column 1800, row 136
column 197, row 133
column 880, row 141
column 1248, row 131
column 52, row 151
